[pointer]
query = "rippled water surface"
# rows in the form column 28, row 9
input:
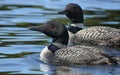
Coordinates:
column 20, row 47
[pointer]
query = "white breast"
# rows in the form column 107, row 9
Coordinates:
column 71, row 35
column 70, row 42
column 46, row 55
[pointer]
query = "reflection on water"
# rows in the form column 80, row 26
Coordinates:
column 18, row 45
column 80, row 70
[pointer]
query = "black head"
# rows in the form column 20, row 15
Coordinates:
column 55, row 30
column 73, row 12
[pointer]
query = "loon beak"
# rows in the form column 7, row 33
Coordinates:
column 43, row 28
column 38, row 28
column 62, row 12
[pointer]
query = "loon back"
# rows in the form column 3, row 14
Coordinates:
column 79, row 55
column 98, row 35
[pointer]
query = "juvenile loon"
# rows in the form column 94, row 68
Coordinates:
column 97, row 35
column 57, row 52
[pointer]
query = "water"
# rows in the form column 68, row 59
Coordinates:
column 20, row 47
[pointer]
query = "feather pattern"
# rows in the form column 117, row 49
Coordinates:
column 97, row 35
column 78, row 55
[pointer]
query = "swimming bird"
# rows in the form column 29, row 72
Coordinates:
column 96, row 35
column 58, row 53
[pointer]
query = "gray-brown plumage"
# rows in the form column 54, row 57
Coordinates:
column 81, row 55
column 98, row 35
column 57, row 52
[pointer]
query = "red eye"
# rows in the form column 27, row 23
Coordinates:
column 75, row 7
column 52, row 27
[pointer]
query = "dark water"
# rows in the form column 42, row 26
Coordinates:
column 20, row 47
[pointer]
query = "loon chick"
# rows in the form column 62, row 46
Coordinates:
column 57, row 52
column 98, row 35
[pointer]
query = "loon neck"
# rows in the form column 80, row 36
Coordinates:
column 79, row 25
column 62, row 39
column 59, row 42
column 48, row 52
column 55, row 46
column 74, row 28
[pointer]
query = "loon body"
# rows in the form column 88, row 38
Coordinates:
column 58, row 52
column 97, row 35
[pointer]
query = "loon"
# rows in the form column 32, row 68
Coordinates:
column 97, row 35
column 58, row 53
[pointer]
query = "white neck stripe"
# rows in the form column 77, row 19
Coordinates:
column 79, row 25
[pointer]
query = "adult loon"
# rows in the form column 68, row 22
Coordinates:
column 97, row 35
column 57, row 52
